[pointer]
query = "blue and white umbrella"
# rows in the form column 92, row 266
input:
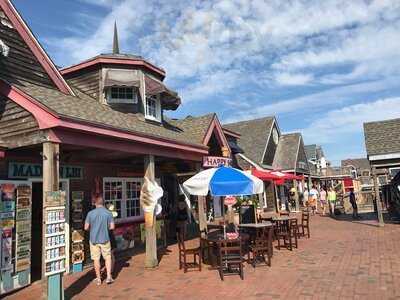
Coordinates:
column 223, row 181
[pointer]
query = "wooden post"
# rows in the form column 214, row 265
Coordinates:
column 278, row 208
column 151, row 260
column 378, row 198
column 296, row 195
column 53, row 285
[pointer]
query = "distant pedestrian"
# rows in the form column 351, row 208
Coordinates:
column 182, row 215
column 313, row 199
column 322, row 200
column 113, row 241
column 305, row 197
column 332, row 200
column 353, row 202
column 293, row 198
column 99, row 221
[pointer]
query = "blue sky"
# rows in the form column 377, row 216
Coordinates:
column 322, row 67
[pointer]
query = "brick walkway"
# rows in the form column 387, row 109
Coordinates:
column 342, row 260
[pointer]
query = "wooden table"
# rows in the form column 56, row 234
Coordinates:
column 214, row 239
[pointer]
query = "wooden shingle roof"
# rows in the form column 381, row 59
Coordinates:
column 286, row 153
column 189, row 131
column 382, row 137
column 253, row 136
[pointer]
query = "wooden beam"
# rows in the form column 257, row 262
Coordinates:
column 377, row 198
column 51, row 175
column 151, row 260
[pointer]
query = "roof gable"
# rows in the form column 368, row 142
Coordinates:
column 286, row 153
column 254, row 135
column 291, row 153
column 382, row 137
column 25, row 49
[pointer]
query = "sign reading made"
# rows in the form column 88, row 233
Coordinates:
column 216, row 161
column 26, row 170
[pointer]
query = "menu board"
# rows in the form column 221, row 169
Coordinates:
column 55, row 233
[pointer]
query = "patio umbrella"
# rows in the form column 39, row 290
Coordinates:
column 223, row 181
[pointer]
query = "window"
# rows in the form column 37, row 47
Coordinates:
column 153, row 110
column 122, row 95
column 393, row 172
column 382, row 179
column 124, row 193
column 365, row 173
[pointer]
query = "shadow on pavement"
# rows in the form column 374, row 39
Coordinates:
column 368, row 219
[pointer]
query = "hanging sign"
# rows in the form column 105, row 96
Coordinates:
column 25, row 170
column 216, row 161
column 229, row 200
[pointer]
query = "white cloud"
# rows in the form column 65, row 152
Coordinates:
column 336, row 125
column 285, row 78
column 192, row 39
column 313, row 102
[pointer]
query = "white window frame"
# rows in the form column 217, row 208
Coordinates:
column 123, row 217
column 157, row 117
column 111, row 100
column 390, row 170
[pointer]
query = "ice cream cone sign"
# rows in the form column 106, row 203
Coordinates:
column 149, row 195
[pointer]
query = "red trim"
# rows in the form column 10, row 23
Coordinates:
column 47, row 119
column 215, row 125
column 43, row 116
column 114, row 61
column 73, row 137
column 34, row 46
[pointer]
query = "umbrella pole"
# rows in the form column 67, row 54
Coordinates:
column 202, row 214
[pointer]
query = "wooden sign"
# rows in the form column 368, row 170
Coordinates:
column 216, row 161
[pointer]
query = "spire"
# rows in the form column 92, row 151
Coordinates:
column 115, row 41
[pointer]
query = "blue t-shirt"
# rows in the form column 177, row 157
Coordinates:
column 99, row 220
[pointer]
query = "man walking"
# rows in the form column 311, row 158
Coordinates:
column 99, row 221
column 353, row 203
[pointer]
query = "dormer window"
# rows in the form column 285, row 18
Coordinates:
column 153, row 108
column 122, row 95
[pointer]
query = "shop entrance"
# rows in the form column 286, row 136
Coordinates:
column 37, row 223
column 37, row 220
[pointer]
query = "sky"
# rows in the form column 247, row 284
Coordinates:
column 321, row 67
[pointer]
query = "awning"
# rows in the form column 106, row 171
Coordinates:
column 121, row 78
column 276, row 176
column 169, row 99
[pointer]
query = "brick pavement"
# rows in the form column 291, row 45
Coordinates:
column 342, row 260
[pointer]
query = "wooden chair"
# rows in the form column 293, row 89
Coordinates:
column 305, row 224
column 183, row 253
column 284, row 213
column 284, row 230
column 262, row 247
column 294, row 231
column 231, row 258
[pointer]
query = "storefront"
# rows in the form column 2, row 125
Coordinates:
column 96, row 127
